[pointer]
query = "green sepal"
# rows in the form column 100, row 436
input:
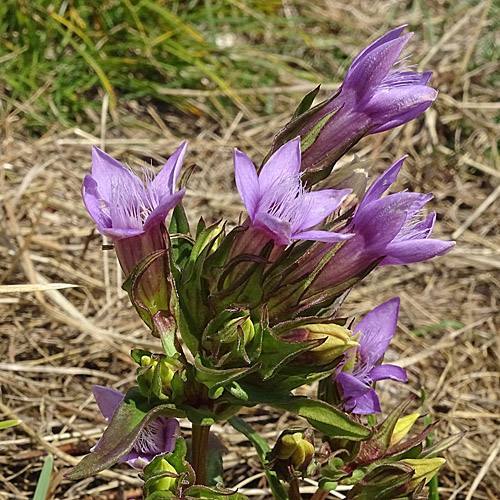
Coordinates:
column 137, row 354
column 442, row 445
column 293, row 127
column 162, row 322
column 129, row 419
column 180, row 239
column 276, row 353
column 215, row 379
column 385, row 482
column 306, row 102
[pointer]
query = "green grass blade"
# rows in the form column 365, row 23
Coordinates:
column 43, row 484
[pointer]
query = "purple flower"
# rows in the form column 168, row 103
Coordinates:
column 156, row 438
column 277, row 202
column 392, row 227
column 374, row 97
column 356, row 375
column 132, row 213
column 121, row 204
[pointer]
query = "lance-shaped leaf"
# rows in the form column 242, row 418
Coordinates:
column 129, row 419
column 325, row 418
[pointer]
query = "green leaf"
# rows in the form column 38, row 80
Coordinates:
column 325, row 418
column 43, row 484
column 130, row 418
column 262, row 449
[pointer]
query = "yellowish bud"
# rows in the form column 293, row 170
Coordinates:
column 403, row 426
column 338, row 340
column 165, row 483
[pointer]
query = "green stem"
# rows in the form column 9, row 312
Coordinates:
column 199, row 443
column 294, row 491
column 319, row 494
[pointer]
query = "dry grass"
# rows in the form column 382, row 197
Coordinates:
column 56, row 343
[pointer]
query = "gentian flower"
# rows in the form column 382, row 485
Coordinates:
column 374, row 97
column 277, row 202
column 391, row 228
column 355, row 377
column 132, row 212
column 157, row 438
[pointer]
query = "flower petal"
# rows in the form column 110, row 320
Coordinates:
column 352, row 387
column 157, row 216
column 381, row 220
column 279, row 229
column 110, row 173
column 382, row 183
column 367, row 404
column 411, row 251
column 377, row 329
column 391, row 35
column 247, row 182
column 283, row 164
column 319, row 205
column 396, row 105
column 325, row 236
column 107, row 400
column 164, row 182
column 374, row 66
column 388, row 372
column 93, row 203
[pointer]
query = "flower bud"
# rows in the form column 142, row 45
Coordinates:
column 155, row 372
column 294, row 449
column 166, row 483
column 336, row 341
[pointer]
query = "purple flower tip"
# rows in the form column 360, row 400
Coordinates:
column 123, row 205
column 277, row 201
column 157, row 438
column 356, row 376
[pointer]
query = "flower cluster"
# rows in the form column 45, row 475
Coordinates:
column 248, row 315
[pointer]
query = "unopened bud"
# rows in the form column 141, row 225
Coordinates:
column 295, row 449
column 165, row 368
column 337, row 340
column 166, row 483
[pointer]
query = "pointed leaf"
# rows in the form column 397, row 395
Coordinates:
column 326, row 418
column 129, row 419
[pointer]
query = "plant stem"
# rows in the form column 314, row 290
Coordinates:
column 319, row 494
column 294, row 491
column 199, row 443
